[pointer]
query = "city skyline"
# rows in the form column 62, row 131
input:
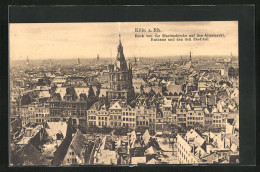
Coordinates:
column 86, row 40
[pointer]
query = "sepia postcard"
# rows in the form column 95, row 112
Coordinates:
column 123, row 93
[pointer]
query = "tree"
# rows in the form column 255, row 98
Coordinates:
column 232, row 72
column 91, row 92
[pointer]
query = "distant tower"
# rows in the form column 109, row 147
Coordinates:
column 231, row 59
column 50, row 63
column 121, row 87
column 27, row 62
column 98, row 57
column 190, row 57
column 78, row 61
column 135, row 60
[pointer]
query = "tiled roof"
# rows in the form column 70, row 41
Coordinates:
column 78, row 142
column 29, row 155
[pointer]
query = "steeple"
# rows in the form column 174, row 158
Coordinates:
column 78, row 61
column 190, row 56
column 50, row 62
column 120, row 48
column 120, row 58
column 27, row 62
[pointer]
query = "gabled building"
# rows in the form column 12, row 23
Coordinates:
column 115, row 115
column 75, row 154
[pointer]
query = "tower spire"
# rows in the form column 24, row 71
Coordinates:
column 28, row 61
column 190, row 56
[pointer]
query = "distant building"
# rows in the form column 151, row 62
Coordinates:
column 27, row 61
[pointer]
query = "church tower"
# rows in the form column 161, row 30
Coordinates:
column 190, row 57
column 78, row 61
column 121, row 87
column 27, row 61
column 50, row 62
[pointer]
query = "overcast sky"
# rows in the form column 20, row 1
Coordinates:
column 86, row 40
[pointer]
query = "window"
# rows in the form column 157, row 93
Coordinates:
column 68, row 160
column 74, row 160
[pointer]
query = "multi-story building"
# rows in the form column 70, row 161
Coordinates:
column 24, row 115
column 42, row 113
column 142, row 116
column 167, row 111
column 115, row 115
column 128, row 117
column 92, row 114
column 69, row 103
column 181, row 112
column 152, row 116
column 159, row 121
column 216, row 118
column 173, row 118
column 190, row 148
column 102, row 117
column 195, row 116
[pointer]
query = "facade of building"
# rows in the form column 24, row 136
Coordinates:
column 115, row 115
column 129, row 117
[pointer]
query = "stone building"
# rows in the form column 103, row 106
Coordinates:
column 120, row 73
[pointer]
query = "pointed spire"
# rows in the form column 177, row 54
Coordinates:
column 190, row 55
column 50, row 62
column 120, row 47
